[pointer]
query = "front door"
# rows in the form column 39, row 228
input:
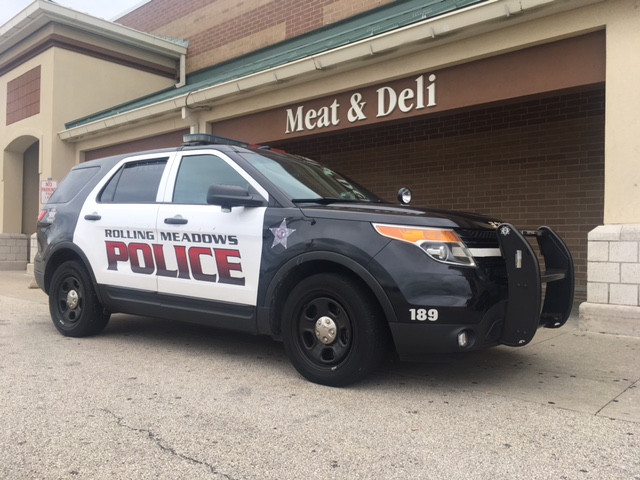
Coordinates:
column 209, row 252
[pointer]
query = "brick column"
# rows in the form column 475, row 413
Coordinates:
column 613, row 287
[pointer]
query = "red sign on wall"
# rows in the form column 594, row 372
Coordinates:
column 47, row 187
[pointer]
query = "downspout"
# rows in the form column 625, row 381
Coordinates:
column 192, row 120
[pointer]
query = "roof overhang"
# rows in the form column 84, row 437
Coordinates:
column 42, row 12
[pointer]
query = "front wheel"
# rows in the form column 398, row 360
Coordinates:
column 332, row 330
column 73, row 303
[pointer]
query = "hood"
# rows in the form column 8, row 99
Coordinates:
column 396, row 214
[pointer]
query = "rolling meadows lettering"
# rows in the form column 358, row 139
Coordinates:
column 173, row 236
column 196, row 260
column 386, row 101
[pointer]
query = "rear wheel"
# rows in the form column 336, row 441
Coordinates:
column 73, row 303
column 332, row 329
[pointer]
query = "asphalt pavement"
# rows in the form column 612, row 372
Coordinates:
column 155, row 399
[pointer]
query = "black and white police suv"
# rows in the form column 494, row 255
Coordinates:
column 250, row 239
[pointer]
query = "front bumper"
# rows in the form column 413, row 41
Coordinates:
column 414, row 342
column 514, row 321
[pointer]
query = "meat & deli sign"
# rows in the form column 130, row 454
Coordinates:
column 362, row 106
column 562, row 65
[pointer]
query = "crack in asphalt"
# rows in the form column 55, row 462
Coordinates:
column 614, row 400
column 165, row 448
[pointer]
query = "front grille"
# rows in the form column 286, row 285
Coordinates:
column 494, row 267
column 479, row 238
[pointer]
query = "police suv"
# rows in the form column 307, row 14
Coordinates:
column 224, row 234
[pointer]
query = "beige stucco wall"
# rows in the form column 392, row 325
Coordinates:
column 82, row 85
column 72, row 85
column 622, row 130
column 15, row 139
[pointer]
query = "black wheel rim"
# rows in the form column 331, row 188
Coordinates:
column 70, row 300
column 331, row 349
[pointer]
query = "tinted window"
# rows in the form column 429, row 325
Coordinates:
column 198, row 172
column 72, row 184
column 135, row 182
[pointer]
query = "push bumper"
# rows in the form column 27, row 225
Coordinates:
column 526, row 311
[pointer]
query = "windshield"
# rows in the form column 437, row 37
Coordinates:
column 303, row 180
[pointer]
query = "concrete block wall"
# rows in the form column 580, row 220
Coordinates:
column 613, row 267
column 14, row 251
column 613, row 287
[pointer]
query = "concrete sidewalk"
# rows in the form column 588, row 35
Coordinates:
column 567, row 368
column 18, row 284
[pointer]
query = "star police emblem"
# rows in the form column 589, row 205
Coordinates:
column 505, row 230
column 281, row 233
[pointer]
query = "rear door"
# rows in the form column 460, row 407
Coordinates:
column 117, row 224
column 208, row 252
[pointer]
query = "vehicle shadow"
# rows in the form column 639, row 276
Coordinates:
column 193, row 339
column 493, row 367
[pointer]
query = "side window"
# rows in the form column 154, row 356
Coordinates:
column 198, row 172
column 135, row 182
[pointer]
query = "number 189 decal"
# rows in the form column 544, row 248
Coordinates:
column 422, row 314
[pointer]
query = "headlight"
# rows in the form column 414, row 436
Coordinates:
column 441, row 244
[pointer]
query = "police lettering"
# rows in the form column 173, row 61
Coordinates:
column 148, row 259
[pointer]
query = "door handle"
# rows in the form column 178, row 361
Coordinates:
column 177, row 220
column 92, row 216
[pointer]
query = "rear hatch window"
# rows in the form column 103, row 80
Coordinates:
column 72, row 184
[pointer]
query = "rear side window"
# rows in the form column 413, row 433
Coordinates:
column 198, row 172
column 135, row 182
column 72, row 184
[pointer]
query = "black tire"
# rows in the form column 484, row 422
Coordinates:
column 73, row 303
column 357, row 343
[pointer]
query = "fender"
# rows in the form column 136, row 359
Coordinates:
column 61, row 249
column 266, row 324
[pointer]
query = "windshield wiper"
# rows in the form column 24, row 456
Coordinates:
column 319, row 200
column 328, row 201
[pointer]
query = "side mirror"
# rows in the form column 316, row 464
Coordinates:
column 404, row 196
column 228, row 196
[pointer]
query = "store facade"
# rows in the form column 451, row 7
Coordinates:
column 521, row 110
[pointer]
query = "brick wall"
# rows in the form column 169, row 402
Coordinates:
column 532, row 163
column 218, row 30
